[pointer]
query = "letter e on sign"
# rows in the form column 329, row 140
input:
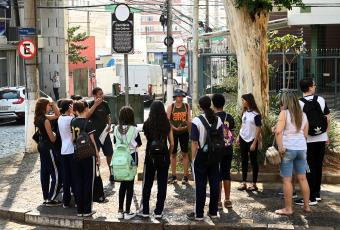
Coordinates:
column 27, row 49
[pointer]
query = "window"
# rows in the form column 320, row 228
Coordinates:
column 56, row 22
column 49, row 59
column 149, row 29
column 56, row 41
column 49, row 41
column 9, row 94
column 48, row 22
column 57, row 59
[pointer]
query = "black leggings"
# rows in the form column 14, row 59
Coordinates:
column 245, row 150
column 126, row 187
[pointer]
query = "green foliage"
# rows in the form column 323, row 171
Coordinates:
column 229, row 82
column 255, row 6
column 288, row 43
column 74, row 47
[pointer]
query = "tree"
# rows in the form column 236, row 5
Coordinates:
column 248, row 24
column 287, row 44
column 74, row 45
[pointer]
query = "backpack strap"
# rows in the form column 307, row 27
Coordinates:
column 315, row 98
column 304, row 100
column 129, row 135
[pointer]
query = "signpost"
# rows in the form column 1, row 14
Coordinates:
column 27, row 49
column 181, row 50
column 169, row 65
column 122, row 38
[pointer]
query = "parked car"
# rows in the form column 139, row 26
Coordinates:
column 12, row 106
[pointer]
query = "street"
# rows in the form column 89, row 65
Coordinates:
column 12, row 138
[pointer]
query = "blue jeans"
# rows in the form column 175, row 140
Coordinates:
column 294, row 160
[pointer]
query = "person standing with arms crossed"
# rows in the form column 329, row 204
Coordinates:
column 100, row 116
column 180, row 118
column 56, row 85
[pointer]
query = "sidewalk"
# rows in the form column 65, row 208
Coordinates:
column 21, row 200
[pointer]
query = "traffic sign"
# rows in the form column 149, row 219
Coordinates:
column 181, row 50
column 169, row 65
column 122, row 30
column 27, row 49
column 168, row 41
column 27, row 31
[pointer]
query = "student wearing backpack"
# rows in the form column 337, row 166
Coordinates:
column 207, row 149
column 249, row 139
column 229, row 136
column 100, row 116
column 318, row 116
column 158, row 132
column 67, row 149
column 49, row 168
column 180, row 118
column 127, row 140
column 84, row 167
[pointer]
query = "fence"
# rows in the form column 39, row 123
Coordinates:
column 322, row 65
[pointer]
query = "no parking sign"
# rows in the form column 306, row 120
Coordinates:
column 27, row 49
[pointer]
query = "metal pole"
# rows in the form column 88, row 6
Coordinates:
column 169, row 50
column 32, row 75
column 126, row 67
column 88, row 19
column 283, row 70
column 195, row 56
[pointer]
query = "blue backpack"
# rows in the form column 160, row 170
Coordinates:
column 122, row 163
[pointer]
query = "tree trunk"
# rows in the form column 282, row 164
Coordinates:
column 249, row 39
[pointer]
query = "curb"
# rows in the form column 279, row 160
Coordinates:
column 327, row 178
column 34, row 218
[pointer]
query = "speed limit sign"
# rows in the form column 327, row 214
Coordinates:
column 27, row 49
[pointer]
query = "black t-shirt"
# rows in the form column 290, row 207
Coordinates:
column 99, row 116
column 42, row 130
column 228, row 118
column 78, row 124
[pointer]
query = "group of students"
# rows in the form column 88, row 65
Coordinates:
column 211, row 132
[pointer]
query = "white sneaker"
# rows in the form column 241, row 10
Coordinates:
column 129, row 216
column 159, row 216
column 120, row 215
column 89, row 214
column 80, row 215
column 141, row 214
column 213, row 217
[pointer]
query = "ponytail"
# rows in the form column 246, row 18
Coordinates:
column 205, row 104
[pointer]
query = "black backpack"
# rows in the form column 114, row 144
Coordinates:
column 214, row 145
column 84, row 147
column 316, row 118
column 157, row 150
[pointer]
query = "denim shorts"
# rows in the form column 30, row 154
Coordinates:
column 294, row 161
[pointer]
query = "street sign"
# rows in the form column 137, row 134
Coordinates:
column 27, row 31
column 27, row 49
column 169, row 65
column 168, row 41
column 122, row 30
column 165, row 57
column 181, row 50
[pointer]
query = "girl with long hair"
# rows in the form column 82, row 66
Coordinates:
column 202, row 171
column 85, row 168
column 291, row 134
column 126, row 128
column 158, row 132
column 49, row 168
column 249, row 139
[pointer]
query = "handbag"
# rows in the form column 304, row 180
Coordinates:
column 273, row 155
column 36, row 135
column 98, row 189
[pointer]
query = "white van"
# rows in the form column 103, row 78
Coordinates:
column 144, row 79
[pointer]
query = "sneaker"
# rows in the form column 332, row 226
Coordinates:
column 301, row 203
column 214, row 217
column 242, row 187
column 158, row 216
column 220, row 206
column 228, row 204
column 80, row 215
column 318, row 199
column 129, row 215
column 89, row 214
column 192, row 216
column 44, row 203
column 141, row 214
column 66, row 206
column 120, row 215
column 185, row 180
column 53, row 203
column 295, row 196
column 172, row 180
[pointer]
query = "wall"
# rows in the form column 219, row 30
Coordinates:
column 90, row 65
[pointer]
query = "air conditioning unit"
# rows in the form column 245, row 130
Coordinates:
column 13, row 34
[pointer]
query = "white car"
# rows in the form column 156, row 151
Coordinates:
column 12, row 106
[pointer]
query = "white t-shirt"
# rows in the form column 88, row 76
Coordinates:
column 324, row 136
column 250, row 121
column 64, row 124
column 56, row 81
column 133, row 144
column 294, row 139
column 199, row 132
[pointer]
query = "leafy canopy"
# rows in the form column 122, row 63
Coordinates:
column 255, row 6
column 74, row 46
column 287, row 43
